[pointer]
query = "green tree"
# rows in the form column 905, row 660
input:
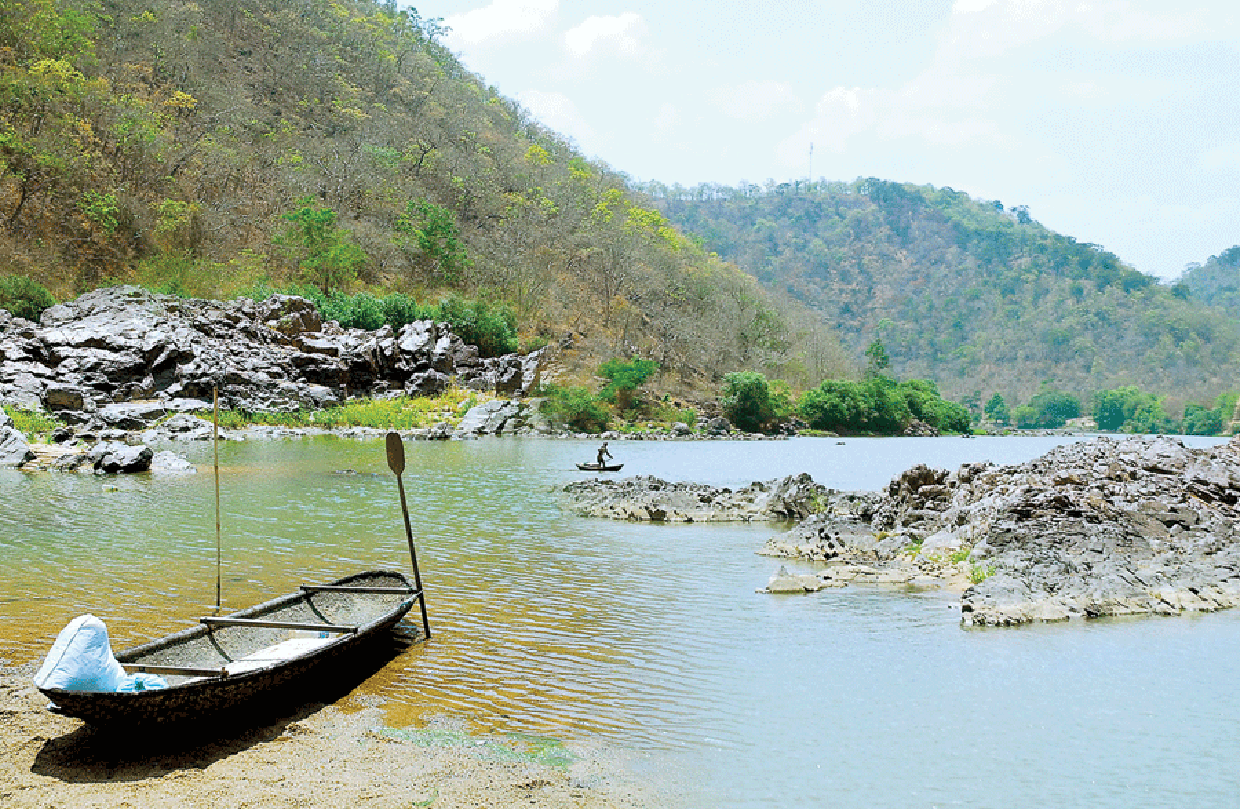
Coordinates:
column 1048, row 409
column 433, row 231
column 577, row 408
column 490, row 326
column 1199, row 420
column 877, row 360
column 924, row 402
column 1131, row 410
column 997, row 410
column 325, row 254
column 624, row 378
column 747, row 401
column 1111, row 407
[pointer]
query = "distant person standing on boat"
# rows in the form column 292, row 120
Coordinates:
column 603, row 453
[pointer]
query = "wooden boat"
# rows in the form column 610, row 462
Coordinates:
column 593, row 467
column 228, row 661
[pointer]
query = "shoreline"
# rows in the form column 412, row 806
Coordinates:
column 314, row 755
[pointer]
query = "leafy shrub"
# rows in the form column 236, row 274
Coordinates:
column 747, row 401
column 1048, row 409
column 24, row 297
column 625, row 376
column 491, row 327
column 576, row 408
column 1201, row 421
column 880, row 405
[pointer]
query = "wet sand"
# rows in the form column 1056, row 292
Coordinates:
column 316, row 755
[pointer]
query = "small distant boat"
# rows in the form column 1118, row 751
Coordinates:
column 232, row 660
column 593, row 467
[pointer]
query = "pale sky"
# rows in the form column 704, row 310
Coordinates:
column 1116, row 121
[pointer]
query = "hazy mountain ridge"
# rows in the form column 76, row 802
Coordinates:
column 976, row 296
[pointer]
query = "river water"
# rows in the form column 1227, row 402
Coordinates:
column 650, row 640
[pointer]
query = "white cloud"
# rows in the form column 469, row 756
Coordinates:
column 622, row 34
column 502, row 19
column 756, row 100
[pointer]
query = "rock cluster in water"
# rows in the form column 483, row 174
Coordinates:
column 645, row 497
column 1099, row 528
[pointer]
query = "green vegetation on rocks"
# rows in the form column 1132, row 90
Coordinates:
column 24, row 297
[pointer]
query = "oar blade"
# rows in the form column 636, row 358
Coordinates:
column 395, row 453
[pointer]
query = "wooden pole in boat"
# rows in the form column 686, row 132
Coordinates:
column 396, row 461
column 215, row 396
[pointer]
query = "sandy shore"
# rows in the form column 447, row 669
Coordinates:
column 315, row 756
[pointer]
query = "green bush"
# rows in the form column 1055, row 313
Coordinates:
column 1202, row 421
column 747, row 401
column 491, row 327
column 24, row 297
column 576, row 407
column 625, row 377
column 1048, row 409
column 879, row 405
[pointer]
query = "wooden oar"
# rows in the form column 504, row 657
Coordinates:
column 396, row 461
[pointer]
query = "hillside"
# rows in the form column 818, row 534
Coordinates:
column 1216, row 283
column 975, row 295
column 206, row 148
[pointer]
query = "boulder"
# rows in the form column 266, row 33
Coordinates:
column 14, row 451
column 115, row 457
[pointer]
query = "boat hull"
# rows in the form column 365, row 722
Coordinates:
column 593, row 467
column 189, row 698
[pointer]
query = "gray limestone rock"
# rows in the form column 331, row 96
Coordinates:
column 1098, row 528
column 169, row 463
column 116, row 346
column 115, row 457
column 14, row 451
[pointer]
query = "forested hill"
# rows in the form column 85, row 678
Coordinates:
column 975, row 295
column 1215, row 283
column 204, row 148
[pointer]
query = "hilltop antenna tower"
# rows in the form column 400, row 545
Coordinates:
column 811, row 163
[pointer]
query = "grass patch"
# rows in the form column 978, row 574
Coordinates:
column 980, row 573
column 399, row 413
column 36, row 426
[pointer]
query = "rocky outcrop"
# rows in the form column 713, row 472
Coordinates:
column 1099, row 528
column 502, row 417
column 123, row 358
column 650, row 498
